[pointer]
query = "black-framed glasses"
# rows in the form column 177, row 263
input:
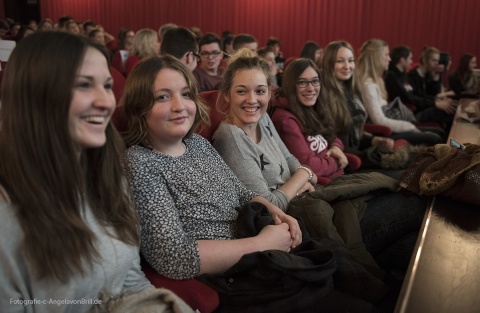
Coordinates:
column 206, row 54
column 196, row 56
column 304, row 83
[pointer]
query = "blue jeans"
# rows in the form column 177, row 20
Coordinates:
column 388, row 224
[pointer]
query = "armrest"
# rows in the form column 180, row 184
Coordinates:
column 379, row 130
column 354, row 162
column 196, row 294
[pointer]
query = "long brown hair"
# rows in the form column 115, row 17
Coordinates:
column 335, row 94
column 315, row 119
column 138, row 97
column 463, row 71
column 48, row 186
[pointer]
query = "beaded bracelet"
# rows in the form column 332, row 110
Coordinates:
column 309, row 171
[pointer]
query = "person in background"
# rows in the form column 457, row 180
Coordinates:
column 45, row 24
column 274, row 44
column 397, row 84
column 72, row 27
column 269, row 55
column 164, row 28
column 227, row 44
column 181, row 43
column 4, row 28
column 145, row 44
column 208, row 72
column 426, row 82
column 463, row 81
column 312, row 50
column 372, row 63
column 98, row 36
column 171, row 170
column 88, row 26
column 245, row 41
column 69, row 230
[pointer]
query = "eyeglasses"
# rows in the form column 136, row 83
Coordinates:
column 304, row 83
column 196, row 56
column 206, row 54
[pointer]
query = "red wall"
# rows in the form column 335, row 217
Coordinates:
column 450, row 25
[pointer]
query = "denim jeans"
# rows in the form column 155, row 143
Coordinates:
column 389, row 223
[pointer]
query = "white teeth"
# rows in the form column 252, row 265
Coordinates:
column 251, row 109
column 95, row 119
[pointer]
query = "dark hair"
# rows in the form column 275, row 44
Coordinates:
column 48, row 185
column 122, row 36
column 226, row 41
column 87, row 24
column 262, row 52
column 315, row 119
column 399, row 52
column 272, row 41
column 463, row 72
column 242, row 39
column 308, row 50
column 62, row 21
column 208, row 39
column 22, row 31
column 178, row 41
column 138, row 97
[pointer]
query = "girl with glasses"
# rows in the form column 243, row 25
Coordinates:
column 304, row 124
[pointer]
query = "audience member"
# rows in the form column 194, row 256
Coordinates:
column 46, row 24
column 145, row 44
column 304, row 124
column 171, row 170
column 98, row 36
column 24, row 32
column 463, row 81
column 208, row 72
column 62, row 22
column 227, row 44
column 274, row 44
column 4, row 28
column 426, row 82
column 312, row 50
column 69, row 230
column 244, row 41
column 373, row 62
column 397, row 84
column 341, row 96
column 88, row 26
column 164, row 28
column 72, row 27
column 180, row 42
column 268, row 55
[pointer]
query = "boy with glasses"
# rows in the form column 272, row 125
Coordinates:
column 181, row 43
column 208, row 72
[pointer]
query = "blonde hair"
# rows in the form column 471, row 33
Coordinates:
column 370, row 67
column 243, row 59
column 143, row 43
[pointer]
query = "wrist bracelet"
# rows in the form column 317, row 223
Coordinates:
column 309, row 171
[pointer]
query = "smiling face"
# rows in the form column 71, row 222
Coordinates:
column 173, row 111
column 308, row 95
column 385, row 58
column 248, row 97
column 92, row 103
column 344, row 64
